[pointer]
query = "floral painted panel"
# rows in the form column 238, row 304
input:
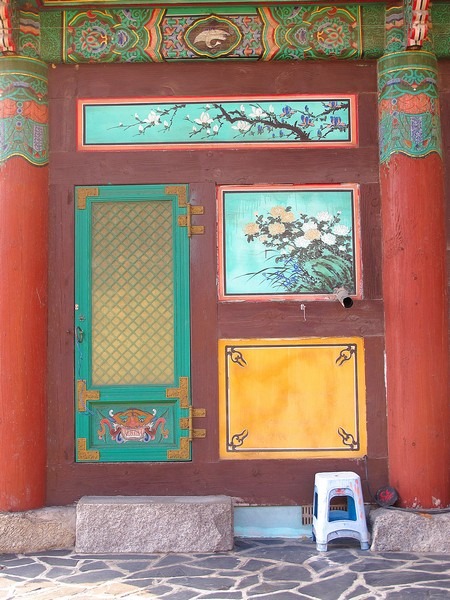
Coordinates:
column 290, row 121
column 288, row 241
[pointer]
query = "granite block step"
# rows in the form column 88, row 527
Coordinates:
column 146, row 524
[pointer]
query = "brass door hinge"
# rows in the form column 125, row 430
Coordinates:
column 186, row 220
column 186, row 423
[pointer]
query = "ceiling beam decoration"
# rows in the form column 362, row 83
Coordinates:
column 7, row 28
column 417, row 22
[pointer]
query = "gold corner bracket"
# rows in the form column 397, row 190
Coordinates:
column 83, row 453
column 181, row 392
column 84, row 395
column 183, row 453
column 180, row 191
column 83, row 193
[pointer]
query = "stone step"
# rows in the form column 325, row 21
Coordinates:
column 146, row 524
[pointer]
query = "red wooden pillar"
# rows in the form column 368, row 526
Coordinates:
column 414, row 279
column 23, row 282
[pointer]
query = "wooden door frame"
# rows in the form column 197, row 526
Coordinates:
column 259, row 481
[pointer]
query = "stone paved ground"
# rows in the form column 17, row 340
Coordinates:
column 260, row 569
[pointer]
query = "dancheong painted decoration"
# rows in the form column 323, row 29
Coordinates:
column 278, row 242
column 165, row 34
column 24, row 110
column 192, row 122
column 133, row 425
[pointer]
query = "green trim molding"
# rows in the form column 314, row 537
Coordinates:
column 409, row 121
column 23, row 109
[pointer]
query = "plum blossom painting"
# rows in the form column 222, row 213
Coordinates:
column 280, row 242
column 177, row 123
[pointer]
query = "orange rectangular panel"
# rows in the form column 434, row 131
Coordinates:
column 292, row 398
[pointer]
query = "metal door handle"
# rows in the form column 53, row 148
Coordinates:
column 80, row 334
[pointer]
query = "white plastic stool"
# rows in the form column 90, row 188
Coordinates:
column 331, row 524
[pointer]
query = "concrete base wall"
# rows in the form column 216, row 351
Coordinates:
column 35, row 530
column 154, row 524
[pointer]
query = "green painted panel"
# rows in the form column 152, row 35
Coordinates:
column 132, row 321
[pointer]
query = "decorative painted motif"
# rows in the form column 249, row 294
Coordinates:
column 409, row 121
column 23, row 110
column 7, row 18
column 373, row 30
column 288, row 242
column 212, row 37
column 143, row 34
column 108, row 35
column 274, row 393
column 160, row 34
column 52, row 36
column 185, row 122
column 395, row 29
column 29, row 33
column 200, row 3
column 236, row 34
column 132, row 425
column 417, row 21
column 148, row 34
column 299, row 32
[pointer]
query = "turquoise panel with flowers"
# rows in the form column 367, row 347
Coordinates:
column 180, row 122
column 288, row 241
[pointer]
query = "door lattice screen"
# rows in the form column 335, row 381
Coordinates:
column 132, row 293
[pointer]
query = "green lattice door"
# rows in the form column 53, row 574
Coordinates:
column 132, row 324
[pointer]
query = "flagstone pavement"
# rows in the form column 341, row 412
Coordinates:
column 256, row 569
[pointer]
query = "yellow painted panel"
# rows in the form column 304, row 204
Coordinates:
column 292, row 398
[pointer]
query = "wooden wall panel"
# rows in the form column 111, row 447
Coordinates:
column 261, row 481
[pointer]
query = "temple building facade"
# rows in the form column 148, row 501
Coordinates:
column 223, row 247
